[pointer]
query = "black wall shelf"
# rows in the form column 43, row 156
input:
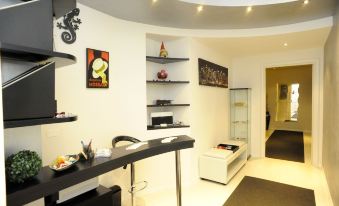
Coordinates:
column 169, row 105
column 151, row 127
column 167, row 82
column 32, row 122
column 168, row 60
column 48, row 182
column 21, row 53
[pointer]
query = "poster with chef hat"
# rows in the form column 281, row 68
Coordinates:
column 97, row 69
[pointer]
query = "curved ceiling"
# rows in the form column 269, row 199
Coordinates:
column 179, row 14
column 237, row 2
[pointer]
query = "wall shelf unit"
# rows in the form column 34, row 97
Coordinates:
column 166, row 82
column 169, row 105
column 175, row 87
column 40, row 121
column 21, row 53
column 162, row 60
column 150, row 127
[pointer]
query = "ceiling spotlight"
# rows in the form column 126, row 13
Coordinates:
column 249, row 9
column 154, row 1
column 285, row 44
column 306, row 2
column 200, row 8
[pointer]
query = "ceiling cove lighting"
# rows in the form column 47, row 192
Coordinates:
column 238, row 2
column 200, row 8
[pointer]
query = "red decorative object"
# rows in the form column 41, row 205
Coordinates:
column 162, row 74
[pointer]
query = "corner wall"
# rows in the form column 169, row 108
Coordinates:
column 331, row 110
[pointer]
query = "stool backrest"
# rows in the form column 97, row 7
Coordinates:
column 117, row 139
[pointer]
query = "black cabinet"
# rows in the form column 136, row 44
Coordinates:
column 29, row 98
column 101, row 196
column 30, row 95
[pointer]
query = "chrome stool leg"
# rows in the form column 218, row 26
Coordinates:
column 178, row 176
column 132, row 183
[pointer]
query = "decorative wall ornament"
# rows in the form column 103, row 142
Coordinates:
column 211, row 74
column 163, row 51
column 162, row 74
column 71, row 24
column 97, row 69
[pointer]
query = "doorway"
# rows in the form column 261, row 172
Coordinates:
column 289, row 113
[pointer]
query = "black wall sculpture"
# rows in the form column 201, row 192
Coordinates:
column 71, row 24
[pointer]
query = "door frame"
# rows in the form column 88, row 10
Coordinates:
column 317, row 106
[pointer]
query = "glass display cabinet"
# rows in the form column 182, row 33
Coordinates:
column 241, row 115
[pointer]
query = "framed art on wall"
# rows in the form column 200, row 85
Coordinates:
column 283, row 91
column 211, row 74
column 97, row 69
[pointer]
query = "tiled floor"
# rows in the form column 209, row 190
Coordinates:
column 206, row 193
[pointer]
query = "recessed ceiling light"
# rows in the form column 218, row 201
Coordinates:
column 237, row 3
column 249, row 9
column 285, row 44
column 200, row 8
column 154, row 1
column 306, row 2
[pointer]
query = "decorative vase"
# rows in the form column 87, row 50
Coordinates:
column 162, row 74
column 163, row 51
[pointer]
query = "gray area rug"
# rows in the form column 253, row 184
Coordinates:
column 259, row 192
column 286, row 145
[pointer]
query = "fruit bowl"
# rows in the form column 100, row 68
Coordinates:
column 62, row 163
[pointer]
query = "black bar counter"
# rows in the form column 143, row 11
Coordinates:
column 48, row 182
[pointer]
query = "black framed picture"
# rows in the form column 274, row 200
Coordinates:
column 97, row 69
column 211, row 74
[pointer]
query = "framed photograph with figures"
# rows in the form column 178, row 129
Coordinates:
column 211, row 74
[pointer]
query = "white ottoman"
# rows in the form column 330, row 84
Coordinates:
column 221, row 165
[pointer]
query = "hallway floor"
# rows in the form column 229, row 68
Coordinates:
column 206, row 193
column 307, row 145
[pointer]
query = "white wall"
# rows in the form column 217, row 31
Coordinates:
column 23, row 138
column 121, row 109
column 290, row 75
column 103, row 113
column 250, row 72
column 331, row 112
column 210, row 105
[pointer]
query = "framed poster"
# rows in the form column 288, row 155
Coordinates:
column 283, row 91
column 211, row 74
column 97, row 69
